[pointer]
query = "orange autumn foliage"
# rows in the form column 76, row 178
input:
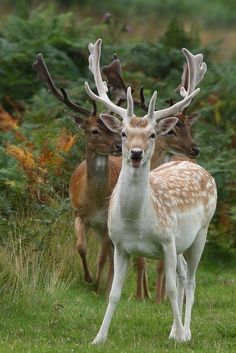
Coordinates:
column 25, row 158
column 7, row 122
column 50, row 158
column 28, row 164
column 66, row 141
column 38, row 167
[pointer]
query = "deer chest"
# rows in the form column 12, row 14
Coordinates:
column 136, row 240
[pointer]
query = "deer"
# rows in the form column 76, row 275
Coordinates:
column 177, row 144
column 93, row 180
column 164, row 211
column 101, row 143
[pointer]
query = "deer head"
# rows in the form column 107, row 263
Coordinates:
column 99, row 138
column 139, row 134
column 178, row 141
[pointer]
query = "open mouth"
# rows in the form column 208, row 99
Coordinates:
column 136, row 162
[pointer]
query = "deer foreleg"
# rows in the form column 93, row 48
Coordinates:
column 105, row 250
column 82, row 248
column 177, row 331
column 121, row 261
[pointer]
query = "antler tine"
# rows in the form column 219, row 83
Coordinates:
column 94, row 111
column 94, row 66
column 115, row 81
column 193, row 72
column 177, row 107
column 151, row 108
column 143, row 104
column 43, row 74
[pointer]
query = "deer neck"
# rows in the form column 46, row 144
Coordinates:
column 97, row 174
column 160, row 156
column 133, row 190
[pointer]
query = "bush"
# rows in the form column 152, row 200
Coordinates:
column 40, row 145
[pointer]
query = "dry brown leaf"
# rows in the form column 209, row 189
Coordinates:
column 66, row 141
column 7, row 121
column 24, row 157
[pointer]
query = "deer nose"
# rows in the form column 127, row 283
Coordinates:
column 195, row 150
column 136, row 153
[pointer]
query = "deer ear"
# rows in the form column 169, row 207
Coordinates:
column 165, row 125
column 111, row 122
column 191, row 119
column 79, row 121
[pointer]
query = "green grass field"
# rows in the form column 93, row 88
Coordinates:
column 67, row 317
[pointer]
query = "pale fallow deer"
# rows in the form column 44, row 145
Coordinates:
column 166, row 211
column 177, row 144
column 93, row 180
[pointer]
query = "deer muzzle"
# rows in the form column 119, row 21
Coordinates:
column 136, row 155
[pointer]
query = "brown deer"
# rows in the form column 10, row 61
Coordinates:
column 177, row 144
column 93, row 180
column 166, row 211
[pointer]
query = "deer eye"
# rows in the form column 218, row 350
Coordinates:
column 152, row 136
column 171, row 132
column 96, row 132
column 123, row 134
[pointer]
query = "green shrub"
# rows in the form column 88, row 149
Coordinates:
column 42, row 120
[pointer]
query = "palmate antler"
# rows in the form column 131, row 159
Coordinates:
column 116, row 84
column 115, row 81
column 43, row 74
column 94, row 65
column 193, row 72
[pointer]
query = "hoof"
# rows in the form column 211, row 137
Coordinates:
column 98, row 340
column 88, row 278
column 147, row 296
column 177, row 336
column 188, row 335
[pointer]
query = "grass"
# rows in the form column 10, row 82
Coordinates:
column 58, row 315
column 46, row 307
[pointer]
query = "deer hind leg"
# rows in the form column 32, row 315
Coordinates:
column 142, row 290
column 181, row 281
column 163, row 292
column 160, row 282
column 105, row 252
column 110, row 267
column 121, row 262
column 82, row 248
column 177, row 331
column 192, row 257
column 146, row 292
